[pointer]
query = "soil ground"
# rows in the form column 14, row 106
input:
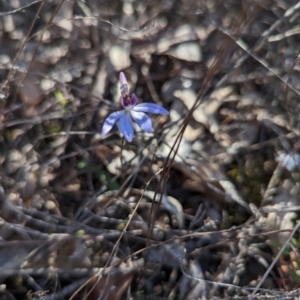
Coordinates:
column 203, row 207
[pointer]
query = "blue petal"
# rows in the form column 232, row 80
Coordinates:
column 150, row 108
column 123, row 84
column 110, row 121
column 125, row 126
column 142, row 120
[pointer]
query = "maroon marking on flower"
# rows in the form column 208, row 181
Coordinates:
column 128, row 100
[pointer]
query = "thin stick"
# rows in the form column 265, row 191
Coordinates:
column 6, row 13
column 275, row 261
column 6, row 84
column 121, row 156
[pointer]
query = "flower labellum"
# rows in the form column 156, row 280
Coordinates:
column 131, row 111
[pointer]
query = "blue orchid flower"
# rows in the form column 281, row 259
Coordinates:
column 132, row 111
